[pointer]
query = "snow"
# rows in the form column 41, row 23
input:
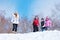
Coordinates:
column 45, row 35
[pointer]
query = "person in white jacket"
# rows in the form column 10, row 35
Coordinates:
column 15, row 21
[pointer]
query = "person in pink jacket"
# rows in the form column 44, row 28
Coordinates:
column 48, row 23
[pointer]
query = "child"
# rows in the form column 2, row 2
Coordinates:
column 35, row 24
column 15, row 21
column 42, row 24
column 48, row 23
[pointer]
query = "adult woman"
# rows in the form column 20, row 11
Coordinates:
column 15, row 21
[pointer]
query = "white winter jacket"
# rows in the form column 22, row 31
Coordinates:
column 15, row 20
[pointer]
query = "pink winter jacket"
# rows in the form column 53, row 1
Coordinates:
column 48, row 23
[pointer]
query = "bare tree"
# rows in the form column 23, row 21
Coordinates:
column 56, row 17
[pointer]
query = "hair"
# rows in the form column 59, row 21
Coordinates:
column 47, row 18
column 34, row 18
column 37, row 17
column 42, row 18
column 16, row 15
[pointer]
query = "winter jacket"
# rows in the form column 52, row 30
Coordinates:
column 42, row 23
column 15, row 20
column 36, row 22
column 48, row 23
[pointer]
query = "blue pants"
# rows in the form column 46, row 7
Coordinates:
column 44, row 28
column 15, row 27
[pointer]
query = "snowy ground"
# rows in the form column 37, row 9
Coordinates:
column 46, row 35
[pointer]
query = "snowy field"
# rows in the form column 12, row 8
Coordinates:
column 46, row 35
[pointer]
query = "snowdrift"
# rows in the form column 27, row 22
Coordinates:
column 46, row 35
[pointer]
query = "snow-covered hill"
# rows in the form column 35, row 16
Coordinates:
column 46, row 35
